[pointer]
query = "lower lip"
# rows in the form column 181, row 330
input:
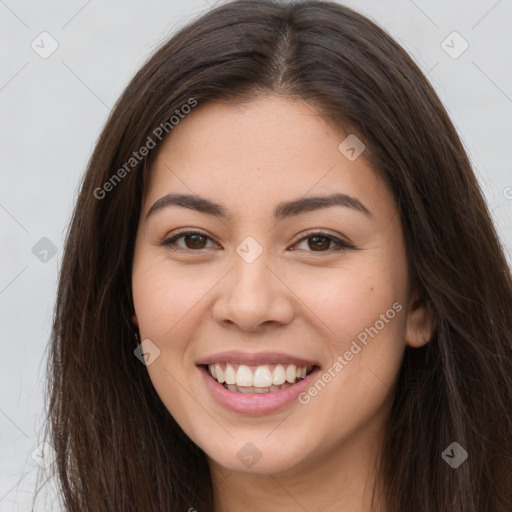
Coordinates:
column 255, row 403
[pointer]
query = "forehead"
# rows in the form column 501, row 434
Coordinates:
column 259, row 153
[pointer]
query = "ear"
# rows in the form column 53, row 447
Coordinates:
column 420, row 326
column 135, row 320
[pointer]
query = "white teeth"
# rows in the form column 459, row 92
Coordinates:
column 291, row 373
column 244, row 376
column 230, row 375
column 243, row 379
column 278, row 375
column 262, row 377
column 220, row 373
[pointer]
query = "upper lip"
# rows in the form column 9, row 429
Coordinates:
column 256, row 359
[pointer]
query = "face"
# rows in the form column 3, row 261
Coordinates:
column 301, row 305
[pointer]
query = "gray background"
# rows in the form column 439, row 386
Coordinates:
column 52, row 111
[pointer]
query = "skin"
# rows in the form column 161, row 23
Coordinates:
column 191, row 302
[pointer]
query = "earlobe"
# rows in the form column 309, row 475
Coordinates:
column 135, row 320
column 419, row 322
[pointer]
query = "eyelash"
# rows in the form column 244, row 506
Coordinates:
column 340, row 244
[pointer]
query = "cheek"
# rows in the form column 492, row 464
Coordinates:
column 167, row 298
column 365, row 342
column 362, row 315
column 348, row 300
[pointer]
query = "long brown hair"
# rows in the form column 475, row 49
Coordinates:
column 118, row 448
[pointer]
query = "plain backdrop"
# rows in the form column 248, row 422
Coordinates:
column 53, row 106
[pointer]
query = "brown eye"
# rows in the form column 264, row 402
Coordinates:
column 193, row 241
column 196, row 241
column 321, row 242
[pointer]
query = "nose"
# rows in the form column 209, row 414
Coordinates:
column 254, row 296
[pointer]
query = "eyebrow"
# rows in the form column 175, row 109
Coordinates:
column 283, row 210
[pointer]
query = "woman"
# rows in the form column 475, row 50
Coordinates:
column 281, row 285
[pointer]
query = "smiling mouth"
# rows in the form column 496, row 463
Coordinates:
column 240, row 378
